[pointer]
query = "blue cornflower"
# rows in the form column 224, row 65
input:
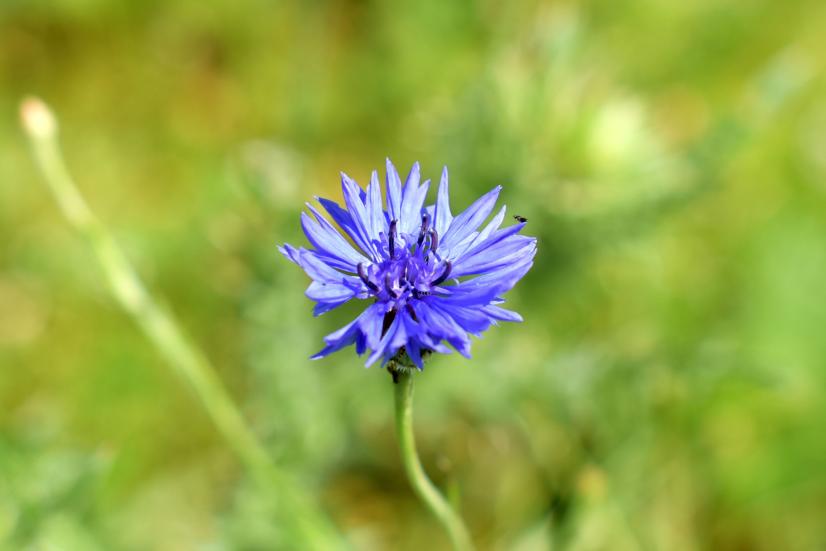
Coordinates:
column 431, row 277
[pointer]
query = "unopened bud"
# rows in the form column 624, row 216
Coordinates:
column 37, row 119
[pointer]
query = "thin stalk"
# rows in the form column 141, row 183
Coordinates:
column 163, row 331
column 422, row 485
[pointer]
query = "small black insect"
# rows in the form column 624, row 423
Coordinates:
column 520, row 219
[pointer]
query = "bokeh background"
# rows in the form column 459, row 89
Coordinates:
column 666, row 391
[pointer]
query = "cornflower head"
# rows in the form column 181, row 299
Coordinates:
column 430, row 277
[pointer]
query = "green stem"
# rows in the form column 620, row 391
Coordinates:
column 161, row 328
column 422, row 485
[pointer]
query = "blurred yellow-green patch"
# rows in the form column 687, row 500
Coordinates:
column 667, row 389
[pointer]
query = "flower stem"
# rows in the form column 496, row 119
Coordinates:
column 164, row 332
column 422, row 485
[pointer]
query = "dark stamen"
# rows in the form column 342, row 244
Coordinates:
column 388, row 286
column 363, row 276
column 387, row 321
column 441, row 278
column 434, row 240
column 425, row 226
column 392, row 237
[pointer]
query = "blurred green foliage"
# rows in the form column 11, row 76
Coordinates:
column 666, row 391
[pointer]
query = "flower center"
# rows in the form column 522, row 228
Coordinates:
column 411, row 266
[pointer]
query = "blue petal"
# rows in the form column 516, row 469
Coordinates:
column 329, row 288
column 467, row 222
column 328, row 240
column 487, row 239
column 429, row 336
column 324, row 307
column 472, row 320
column 393, row 340
column 487, row 288
column 289, row 251
column 371, row 325
column 375, row 214
column 481, row 237
column 501, row 314
column 329, row 292
column 410, row 220
column 361, row 344
column 443, row 218
column 495, row 257
column 345, row 221
column 460, row 248
column 358, row 212
column 319, row 271
column 394, row 192
column 443, row 327
column 420, row 199
column 339, row 339
column 414, row 335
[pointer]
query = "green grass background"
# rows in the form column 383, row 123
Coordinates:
column 667, row 390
